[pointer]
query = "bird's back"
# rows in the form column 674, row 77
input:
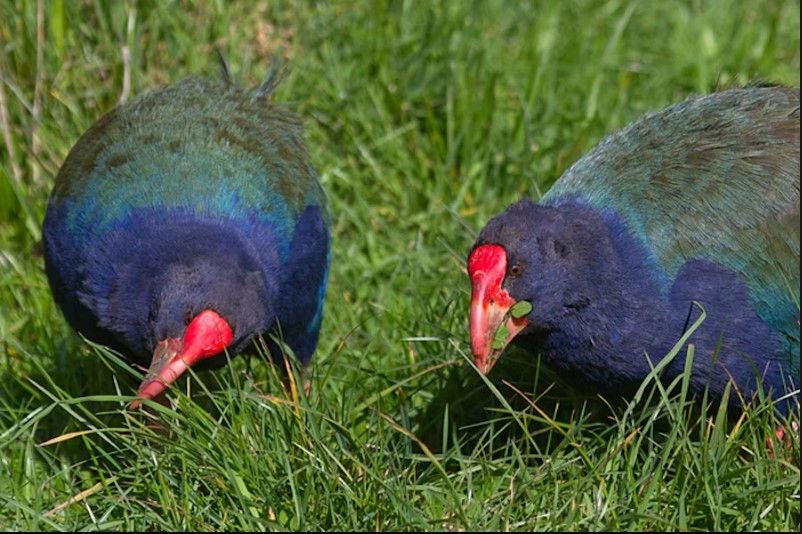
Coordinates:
column 198, row 145
column 713, row 178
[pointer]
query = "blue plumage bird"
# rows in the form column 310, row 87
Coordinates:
column 186, row 222
column 695, row 203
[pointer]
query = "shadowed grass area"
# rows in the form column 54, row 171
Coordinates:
column 424, row 119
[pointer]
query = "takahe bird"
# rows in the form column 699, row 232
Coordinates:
column 186, row 222
column 696, row 203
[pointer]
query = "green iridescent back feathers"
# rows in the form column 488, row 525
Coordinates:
column 738, row 167
column 238, row 143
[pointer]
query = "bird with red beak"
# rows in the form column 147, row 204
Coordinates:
column 681, row 227
column 187, row 222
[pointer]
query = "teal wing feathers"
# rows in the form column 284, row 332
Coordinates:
column 715, row 178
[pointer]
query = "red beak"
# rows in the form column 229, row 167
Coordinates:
column 490, row 304
column 207, row 335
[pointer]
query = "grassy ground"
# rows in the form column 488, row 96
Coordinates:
column 424, row 119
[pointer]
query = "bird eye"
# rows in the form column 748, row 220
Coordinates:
column 516, row 269
column 560, row 249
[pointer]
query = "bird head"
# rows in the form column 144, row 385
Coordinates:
column 547, row 257
column 207, row 335
column 197, row 309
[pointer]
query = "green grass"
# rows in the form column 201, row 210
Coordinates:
column 424, row 120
